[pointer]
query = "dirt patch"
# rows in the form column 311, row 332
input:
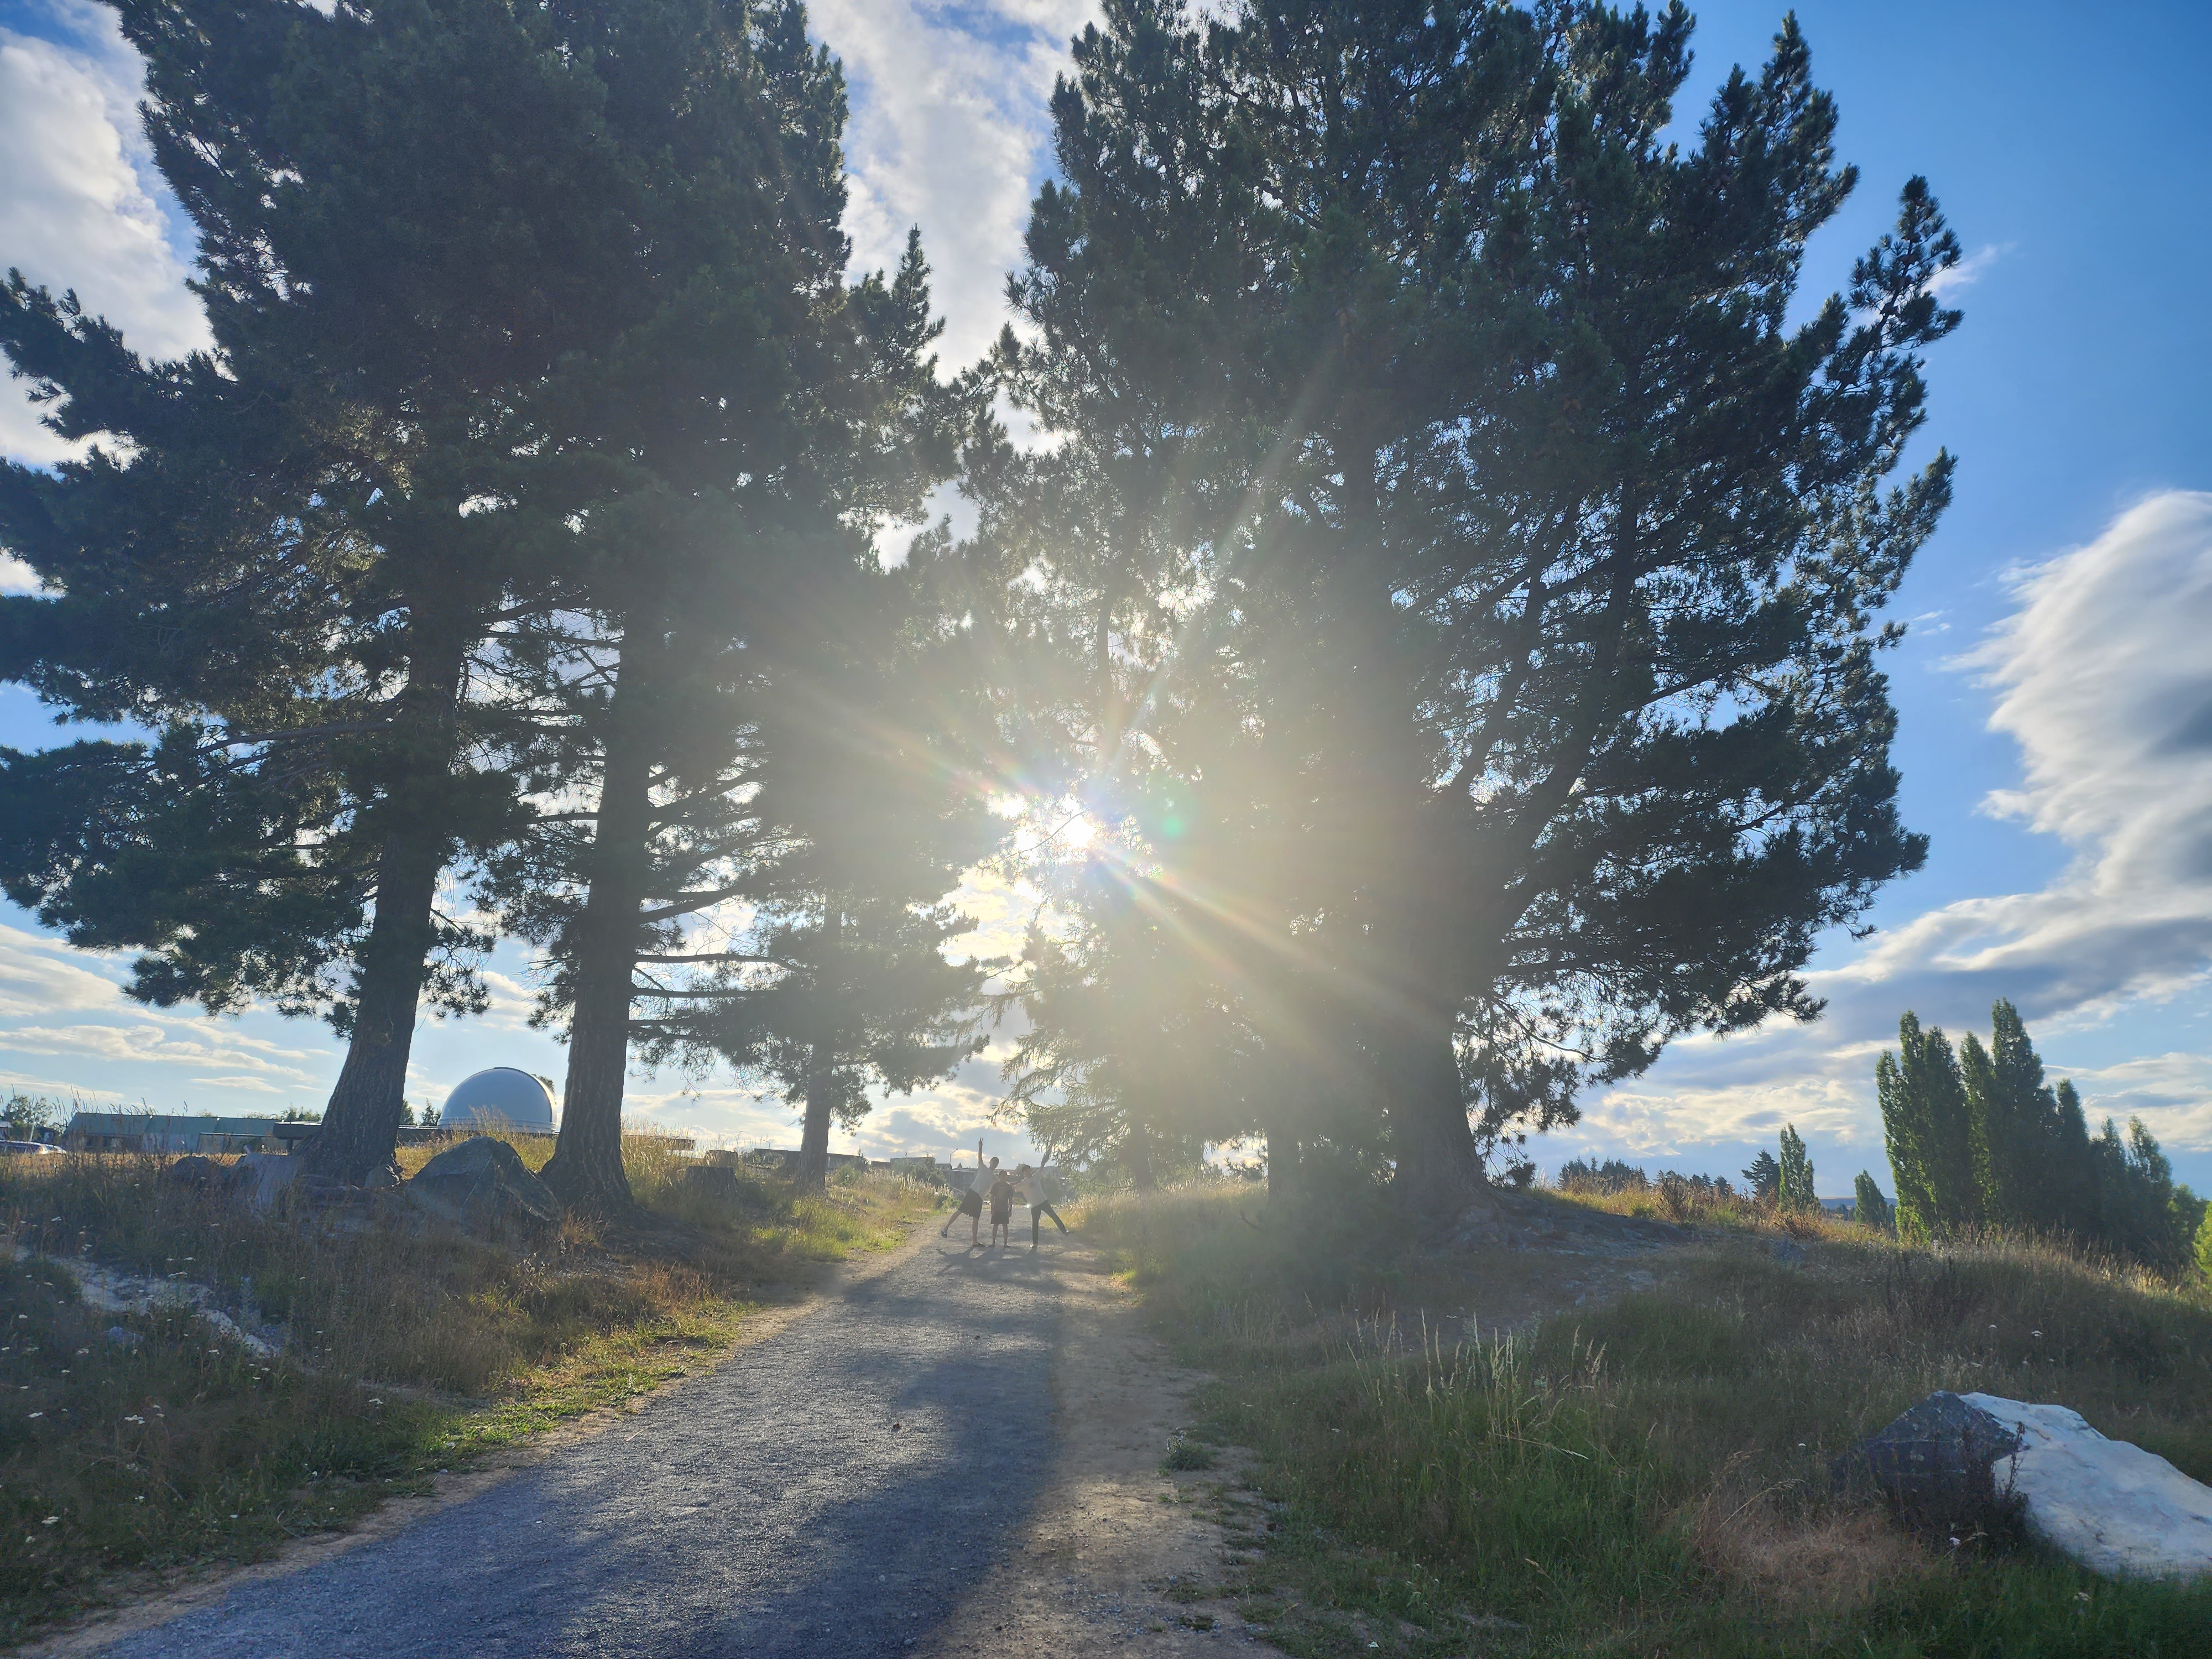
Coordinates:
column 1121, row 1553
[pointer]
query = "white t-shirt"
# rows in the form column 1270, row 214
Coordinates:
column 981, row 1185
column 1032, row 1188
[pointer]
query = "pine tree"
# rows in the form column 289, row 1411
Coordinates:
column 1462, row 563
column 1869, row 1206
column 1793, row 1185
column 1764, row 1178
column 1928, row 1133
column 756, row 420
column 290, row 558
column 875, row 786
column 2204, row 1251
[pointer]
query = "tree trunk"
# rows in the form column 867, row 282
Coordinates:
column 814, row 1137
column 360, row 1124
column 360, row 1121
column 821, row 1059
column 1439, row 1171
column 1282, row 1168
column 1137, row 1155
column 586, row 1169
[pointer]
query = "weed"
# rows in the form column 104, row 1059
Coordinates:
column 1186, row 1454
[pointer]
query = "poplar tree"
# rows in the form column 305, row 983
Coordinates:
column 2073, row 1176
column 1928, row 1132
column 2014, row 1124
column 1533, row 541
column 1983, row 1141
column 1794, row 1176
column 1868, row 1204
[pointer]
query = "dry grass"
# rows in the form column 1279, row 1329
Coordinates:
column 1648, row 1474
column 409, row 1351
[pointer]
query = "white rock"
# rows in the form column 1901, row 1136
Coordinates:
column 263, row 1177
column 2113, row 1507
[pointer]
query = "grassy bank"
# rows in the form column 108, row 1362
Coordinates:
column 1648, row 1476
column 131, row 1445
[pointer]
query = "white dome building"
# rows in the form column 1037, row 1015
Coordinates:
column 500, row 1097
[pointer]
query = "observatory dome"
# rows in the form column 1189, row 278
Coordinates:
column 499, row 1097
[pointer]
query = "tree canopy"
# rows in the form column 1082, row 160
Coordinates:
column 1432, row 646
column 1477, row 537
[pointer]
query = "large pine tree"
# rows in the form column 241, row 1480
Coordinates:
column 285, row 555
column 756, row 420
column 1517, row 527
column 873, row 782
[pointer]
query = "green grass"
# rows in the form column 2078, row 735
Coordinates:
column 1650, row 1475
column 411, row 1353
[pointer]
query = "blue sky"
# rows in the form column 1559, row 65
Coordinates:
column 2047, row 689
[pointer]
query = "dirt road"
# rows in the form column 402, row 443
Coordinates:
column 956, row 1450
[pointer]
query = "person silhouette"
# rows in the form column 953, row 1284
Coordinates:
column 1036, row 1188
column 971, row 1201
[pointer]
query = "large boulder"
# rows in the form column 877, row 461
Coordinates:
column 263, row 1178
column 1933, row 1462
column 482, row 1185
column 2113, row 1507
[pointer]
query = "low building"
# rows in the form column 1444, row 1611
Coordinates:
column 784, row 1160
column 153, row 1132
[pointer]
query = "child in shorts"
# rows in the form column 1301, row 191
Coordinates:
column 1002, row 1209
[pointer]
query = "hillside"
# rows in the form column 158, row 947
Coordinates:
column 1613, row 1435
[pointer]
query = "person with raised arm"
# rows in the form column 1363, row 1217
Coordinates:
column 971, row 1201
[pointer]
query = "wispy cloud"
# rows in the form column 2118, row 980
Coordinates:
column 1969, row 270
column 2101, row 678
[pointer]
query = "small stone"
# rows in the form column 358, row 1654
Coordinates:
column 120, row 1336
column 1788, row 1251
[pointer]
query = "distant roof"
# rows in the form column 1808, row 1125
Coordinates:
column 499, row 1096
column 141, row 1123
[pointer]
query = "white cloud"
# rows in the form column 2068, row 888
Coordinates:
column 1969, row 270
column 77, row 198
column 948, row 132
column 39, row 975
column 2101, row 677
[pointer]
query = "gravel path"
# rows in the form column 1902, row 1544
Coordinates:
column 834, row 1489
